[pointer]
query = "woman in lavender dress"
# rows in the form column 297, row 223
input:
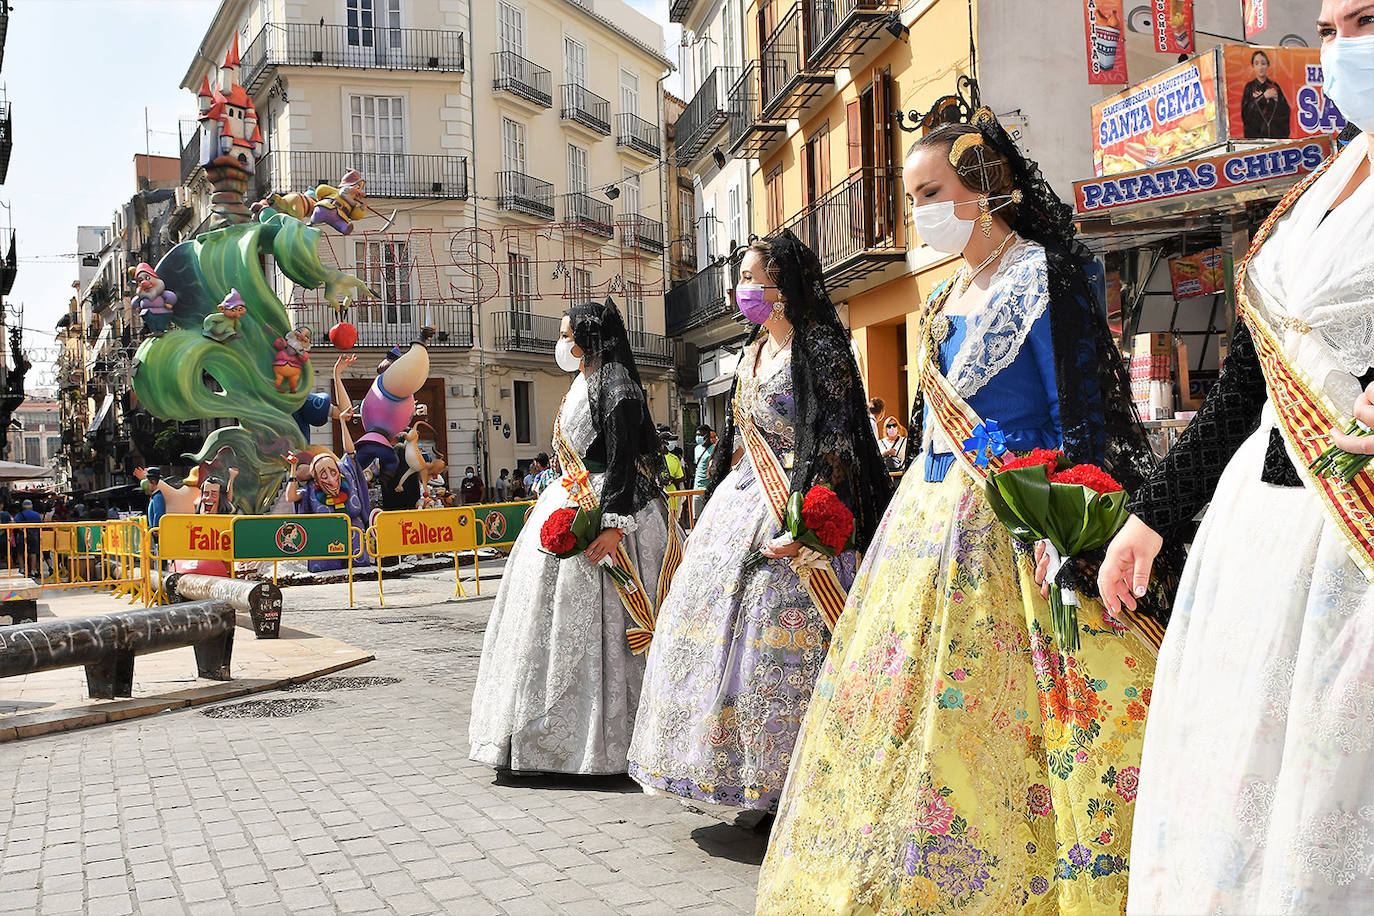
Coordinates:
column 736, row 652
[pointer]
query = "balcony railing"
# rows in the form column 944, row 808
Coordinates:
column 521, row 193
column 4, row 29
column 396, row 175
column 677, row 10
column 786, row 83
column 705, row 114
column 698, row 300
column 521, row 331
column 855, row 228
column 6, row 138
column 587, row 108
column 641, row 232
column 633, row 132
column 387, row 324
column 588, row 214
column 522, row 78
column 302, row 44
column 750, row 133
column 841, row 28
column 651, row 349
column 190, row 155
column 685, row 252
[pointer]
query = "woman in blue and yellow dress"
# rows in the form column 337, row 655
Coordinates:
column 953, row 757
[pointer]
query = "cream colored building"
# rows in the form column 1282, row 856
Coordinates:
column 520, row 152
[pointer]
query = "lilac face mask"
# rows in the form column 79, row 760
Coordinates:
column 752, row 305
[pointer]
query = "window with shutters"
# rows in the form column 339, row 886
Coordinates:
column 687, row 223
column 854, row 128
column 579, row 285
column 521, row 284
column 772, row 184
column 736, row 217
column 629, row 92
column 577, row 169
column 511, row 29
column 634, row 313
column 524, row 399
column 386, row 269
column 629, row 192
column 512, row 146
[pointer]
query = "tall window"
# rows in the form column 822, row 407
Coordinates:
column 577, row 169
column 818, row 163
column 729, row 37
column 736, row 217
column 385, row 267
column 523, row 421
column 574, row 63
column 377, row 127
column 687, row 223
column 634, row 312
column 373, row 24
column 512, row 146
column 772, row 184
column 703, row 59
column 629, row 192
column 709, row 231
column 629, row 92
column 579, row 285
column 54, row 445
column 511, row 29
column 521, row 285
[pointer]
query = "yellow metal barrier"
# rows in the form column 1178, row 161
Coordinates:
column 114, row 555
column 420, row 531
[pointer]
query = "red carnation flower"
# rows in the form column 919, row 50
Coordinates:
column 1047, row 458
column 1088, row 475
column 556, row 534
column 831, row 519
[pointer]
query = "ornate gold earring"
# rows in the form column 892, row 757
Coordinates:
column 985, row 219
column 779, row 308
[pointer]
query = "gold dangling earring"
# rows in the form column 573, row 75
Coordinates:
column 985, row 219
column 779, row 310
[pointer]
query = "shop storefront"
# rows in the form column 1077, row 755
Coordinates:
column 1184, row 175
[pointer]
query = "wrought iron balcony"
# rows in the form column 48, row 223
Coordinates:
column 4, row 29
column 787, row 83
column 387, row 324
column 9, row 262
column 587, row 108
column 633, row 132
column 651, row 349
column 587, row 214
column 395, row 175
column 677, row 10
column 6, row 138
column 705, row 114
column 855, row 229
column 190, row 155
column 697, row 301
column 303, row 44
column 840, row 29
column 685, row 252
column 751, row 134
column 520, row 193
column 641, row 232
column 521, row 331
column 522, row 78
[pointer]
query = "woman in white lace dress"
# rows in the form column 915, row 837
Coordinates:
column 558, row 683
column 1257, row 783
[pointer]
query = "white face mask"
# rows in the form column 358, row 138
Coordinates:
column 1348, row 78
column 941, row 228
column 563, row 353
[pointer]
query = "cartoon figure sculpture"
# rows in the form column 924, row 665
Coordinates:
column 339, row 207
column 390, row 404
column 208, row 490
column 335, row 486
column 223, row 326
column 416, row 463
column 293, row 351
column 153, row 300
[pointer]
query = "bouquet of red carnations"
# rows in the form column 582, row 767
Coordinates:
column 817, row 520
column 568, row 532
column 1039, row 497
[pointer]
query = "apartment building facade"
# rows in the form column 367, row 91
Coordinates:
column 513, row 167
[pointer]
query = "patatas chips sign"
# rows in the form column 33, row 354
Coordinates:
column 1168, row 116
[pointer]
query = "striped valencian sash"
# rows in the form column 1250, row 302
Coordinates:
column 817, row 577
column 1306, row 415
column 577, row 481
column 957, row 421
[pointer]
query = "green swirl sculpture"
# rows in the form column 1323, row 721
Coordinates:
column 183, row 375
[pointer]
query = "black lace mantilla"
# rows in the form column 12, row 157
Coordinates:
column 835, row 443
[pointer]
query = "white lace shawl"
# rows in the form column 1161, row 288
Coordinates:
column 1318, row 268
column 1018, row 295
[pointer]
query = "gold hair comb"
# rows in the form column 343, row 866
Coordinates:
column 963, row 144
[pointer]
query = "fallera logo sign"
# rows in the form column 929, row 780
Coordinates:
column 419, row 534
column 202, row 537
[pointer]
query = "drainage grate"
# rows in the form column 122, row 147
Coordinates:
column 266, row 709
column 322, row 684
column 435, row 650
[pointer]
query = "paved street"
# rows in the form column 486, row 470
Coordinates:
column 359, row 800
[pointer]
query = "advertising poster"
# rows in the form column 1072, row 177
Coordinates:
column 1174, row 26
column 1276, row 94
column 1201, row 274
column 1104, row 25
column 1256, row 13
column 1165, row 117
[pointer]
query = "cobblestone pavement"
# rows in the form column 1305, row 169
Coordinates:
column 362, row 802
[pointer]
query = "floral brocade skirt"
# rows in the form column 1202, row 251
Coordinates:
column 952, row 761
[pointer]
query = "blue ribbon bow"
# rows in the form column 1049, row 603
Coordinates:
column 987, row 439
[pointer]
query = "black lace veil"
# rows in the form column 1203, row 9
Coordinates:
column 1097, row 417
column 834, row 441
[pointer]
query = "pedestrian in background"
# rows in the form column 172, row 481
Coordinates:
column 706, row 448
column 472, row 488
column 875, row 413
column 502, row 485
column 893, row 444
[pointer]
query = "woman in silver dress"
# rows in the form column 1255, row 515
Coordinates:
column 559, row 679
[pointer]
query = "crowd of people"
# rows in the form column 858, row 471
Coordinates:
column 925, row 735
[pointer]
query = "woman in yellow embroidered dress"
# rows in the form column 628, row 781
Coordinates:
column 953, row 759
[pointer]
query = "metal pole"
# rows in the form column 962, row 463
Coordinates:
column 483, row 443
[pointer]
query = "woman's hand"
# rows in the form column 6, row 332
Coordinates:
column 780, row 548
column 1042, row 569
column 1125, row 573
column 1364, row 412
column 605, row 544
